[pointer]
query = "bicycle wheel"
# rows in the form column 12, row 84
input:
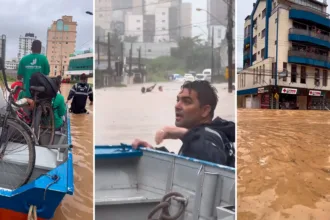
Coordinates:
column 18, row 158
column 44, row 124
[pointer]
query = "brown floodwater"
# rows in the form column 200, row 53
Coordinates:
column 80, row 205
column 283, row 165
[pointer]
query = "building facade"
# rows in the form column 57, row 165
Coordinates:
column 103, row 14
column 11, row 64
column 61, row 42
column 286, row 56
column 186, row 20
column 25, row 44
column 134, row 26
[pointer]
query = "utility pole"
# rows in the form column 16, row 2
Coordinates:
column 230, row 46
column 109, row 55
column 212, row 59
column 98, row 50
column 130, row 60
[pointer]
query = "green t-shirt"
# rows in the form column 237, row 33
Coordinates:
column 59, row 109
column 30, row 64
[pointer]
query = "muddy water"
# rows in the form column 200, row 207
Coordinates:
column 283, row 165
column 80, row 205
column 125, row 113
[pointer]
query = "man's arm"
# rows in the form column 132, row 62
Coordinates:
column 72, row 92
column 204, row 145
column 46, row 69
column 20, row 71
column 90, row 94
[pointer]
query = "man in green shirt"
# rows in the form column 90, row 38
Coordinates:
column 30, row 64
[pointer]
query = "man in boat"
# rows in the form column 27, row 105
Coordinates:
column 202, row 138
column 30, row 64
column 79, row 92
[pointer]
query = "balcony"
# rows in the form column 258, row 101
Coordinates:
column 308, row 58
column 246, row 55
column 296, row 34
column 247, row 40
column 310, row 15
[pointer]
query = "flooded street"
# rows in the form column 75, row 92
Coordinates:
column 80, row 205
column 124, row 114
column 283, row 164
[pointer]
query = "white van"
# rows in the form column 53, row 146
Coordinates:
column 206, row 75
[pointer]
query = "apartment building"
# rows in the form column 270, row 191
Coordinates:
column 134, row 26
column 286, row 56
column 11, row 64
column 25, row 44
column 162, row 24
column 103, row 14
column 61, row 42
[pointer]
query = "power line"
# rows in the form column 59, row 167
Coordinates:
column 140, row 6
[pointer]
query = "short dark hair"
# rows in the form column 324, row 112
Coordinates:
column 36, row 46
column 83, row 76
column 206, row 93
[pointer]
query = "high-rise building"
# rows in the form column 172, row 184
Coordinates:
column 3, row 47
column 162, row 24
column 61, row 42
column 134, row 26
column 186, row 13
column 219, row 11
column 25, row 44
column 286, row 56
column 103, row 14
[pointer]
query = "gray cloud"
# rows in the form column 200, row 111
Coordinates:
column 22, row 16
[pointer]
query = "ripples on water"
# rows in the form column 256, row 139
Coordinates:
column 124, row 114
column 80, row 205
column 283, row 164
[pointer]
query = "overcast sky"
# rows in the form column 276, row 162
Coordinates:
column 243, row 10
column 22, row 16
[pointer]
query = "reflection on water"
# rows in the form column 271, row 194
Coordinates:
column 283, row 164
column 124, row 114
column 80, row 205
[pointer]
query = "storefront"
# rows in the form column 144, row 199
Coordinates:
column 264, row 97
column 254, row 98
column 317, row 99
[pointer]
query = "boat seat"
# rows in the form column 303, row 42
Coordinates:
column 125, row 196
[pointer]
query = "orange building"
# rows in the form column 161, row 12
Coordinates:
column 61, row 42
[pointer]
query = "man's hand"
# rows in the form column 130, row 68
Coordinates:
column 170, row 132
column 138, row 142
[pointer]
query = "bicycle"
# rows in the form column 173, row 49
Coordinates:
column 10, row 156
column 43, row 122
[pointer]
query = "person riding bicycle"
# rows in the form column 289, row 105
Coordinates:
column 59, row 106
column 79, row 92
column 30, row 64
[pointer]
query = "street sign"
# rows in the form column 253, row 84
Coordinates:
column 289, row 91
column 276, row 96
column 315, row 93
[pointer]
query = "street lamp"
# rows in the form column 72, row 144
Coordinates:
column 89, row 13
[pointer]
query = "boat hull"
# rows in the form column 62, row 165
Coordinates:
column 130, row 183
column 51, row 180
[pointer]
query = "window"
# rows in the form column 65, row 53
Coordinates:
column 255, row 40
column 138, row 21
column 263, row 53
column 317, row 77
column 138, row 28
column 293, row 73
column 303, row 75
column 254, row 58
column 263, row 73
column 163, row 21
column 263, row 33
column 285, row 65
column 254, row 76
column 264, row 13
column 163, row 13
column 164, row 29
column 325, row 77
